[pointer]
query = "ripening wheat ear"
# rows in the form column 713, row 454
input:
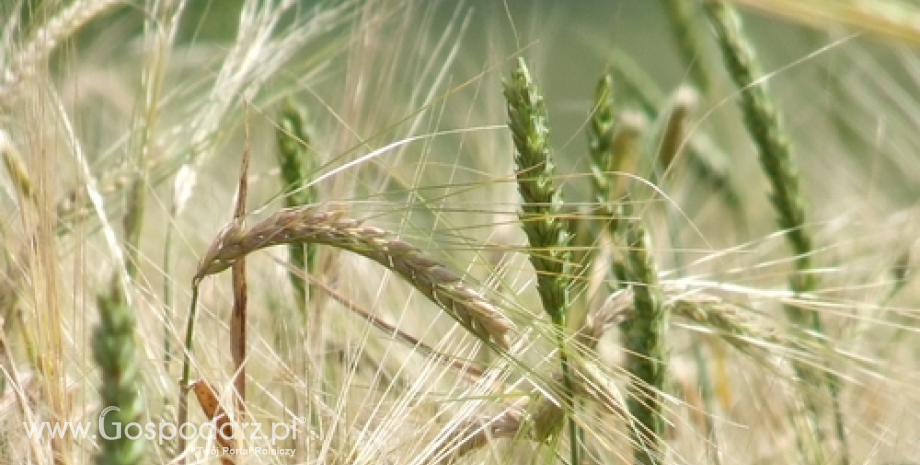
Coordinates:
column 307, row 226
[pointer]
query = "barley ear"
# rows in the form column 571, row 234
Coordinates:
column 542, row 205
column 115, row 352
column 22, row 66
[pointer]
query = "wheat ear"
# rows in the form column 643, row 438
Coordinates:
column 740, row 328
column 646, row 349
column 541, row 220
column 766, row 130
column 114, row 351
column 306, row 226
column 613, row 146
column 297, row 160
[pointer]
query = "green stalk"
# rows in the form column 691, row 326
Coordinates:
column 182, row 415
column 766, row 130
column 546, row 230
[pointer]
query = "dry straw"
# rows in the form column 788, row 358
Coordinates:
column 307, row 226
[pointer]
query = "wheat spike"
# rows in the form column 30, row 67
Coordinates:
column 308, row 226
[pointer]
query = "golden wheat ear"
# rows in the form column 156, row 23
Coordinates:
column 307, row 226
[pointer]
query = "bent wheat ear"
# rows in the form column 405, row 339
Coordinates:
column 307, row 226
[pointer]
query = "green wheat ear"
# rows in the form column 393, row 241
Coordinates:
column 763, row 124
column 297, row 160
column 114, row 351
column 542, row 201
column 541, row 215
column 683, row 18
column 646, row 349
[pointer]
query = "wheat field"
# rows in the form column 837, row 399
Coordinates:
column 434, row 232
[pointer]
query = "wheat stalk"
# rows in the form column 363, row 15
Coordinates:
column 308, row 226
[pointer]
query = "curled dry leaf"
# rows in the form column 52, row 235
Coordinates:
column 215, row 412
